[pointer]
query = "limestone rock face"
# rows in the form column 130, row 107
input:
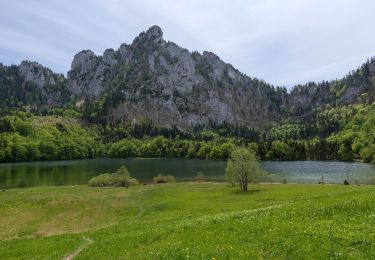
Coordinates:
column 49, row 88
column 36, row 73
column 156, row 79
column 159, row 80
column 304, row 98
column 84, row 78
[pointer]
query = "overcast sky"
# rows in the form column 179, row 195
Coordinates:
column 284, row 42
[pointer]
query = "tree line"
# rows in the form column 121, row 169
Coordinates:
column 24, row 137
column 344, row 133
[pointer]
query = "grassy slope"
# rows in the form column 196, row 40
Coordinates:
column 177, row 221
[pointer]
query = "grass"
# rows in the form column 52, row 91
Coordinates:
column 189, row 220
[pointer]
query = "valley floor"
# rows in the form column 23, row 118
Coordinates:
column 188, row 220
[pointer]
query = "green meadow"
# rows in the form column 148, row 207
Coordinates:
column 189, row 221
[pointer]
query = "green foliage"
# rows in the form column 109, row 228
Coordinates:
column 200, row 176
column 25, row 138
column 216, row 153
column 164, row 179
column 161, row 147
column 331, row 123
column 120, row 178
column 22, row 127
column 345, row 152
column 33, row 152
column 286, row 132
column 331, row 133
column 357, row 139
column 281, row 151
column 209, row 135
column 124, row 148
column 243, row 167
column 64, row 112
column 7, row 125
column 122, row 171
column 48, row 150
column 229, row 173
column 368, row 154
column 124, row 181
column 105, row 179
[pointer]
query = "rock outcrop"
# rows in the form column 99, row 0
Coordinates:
column 159, row 80
column 33, row 87
column 156, row 79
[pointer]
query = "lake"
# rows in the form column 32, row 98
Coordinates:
column 30, row 174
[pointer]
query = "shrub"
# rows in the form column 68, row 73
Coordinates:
column 120, row 178
column 200, row 176
column 164, row 179
column 105, row 179
column 124, row 181
column 122, row 171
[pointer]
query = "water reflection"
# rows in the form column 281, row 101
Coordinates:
column 80, row 171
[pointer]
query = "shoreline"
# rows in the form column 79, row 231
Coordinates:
column 151, row 184
column 170, row 158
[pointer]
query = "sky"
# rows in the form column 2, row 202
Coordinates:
column 284, row 42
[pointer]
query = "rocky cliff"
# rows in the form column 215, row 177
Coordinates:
column 158, row 80
column 358, row 86
column 31, row 86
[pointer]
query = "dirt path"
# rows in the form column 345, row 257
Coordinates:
column 87, row 241
column 220, row 217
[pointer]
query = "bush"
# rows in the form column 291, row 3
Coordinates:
column 120, row 178
column 122, row 171
column 200, row 176
column 124, row 181
column 102, row 180
column 164, row 179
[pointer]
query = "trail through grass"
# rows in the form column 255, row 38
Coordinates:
column 189, row 221
column 86, row 243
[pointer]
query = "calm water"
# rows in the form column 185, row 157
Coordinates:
column 80, row 171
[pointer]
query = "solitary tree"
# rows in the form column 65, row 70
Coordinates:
column 243, row 167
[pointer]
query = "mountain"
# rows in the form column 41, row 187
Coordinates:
column 31, row 86
column 152, row 78
column 159, row 80
column 358, row 86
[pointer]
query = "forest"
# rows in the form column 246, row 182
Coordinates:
column 318, row 121
column 343, row 133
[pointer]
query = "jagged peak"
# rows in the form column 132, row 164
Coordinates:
column 36, row 73
column 82, row 56
column 30, row 63
column 154, row 31
column 85, row 53
column 27, row 65
column 154, row 34
column 108, row 51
